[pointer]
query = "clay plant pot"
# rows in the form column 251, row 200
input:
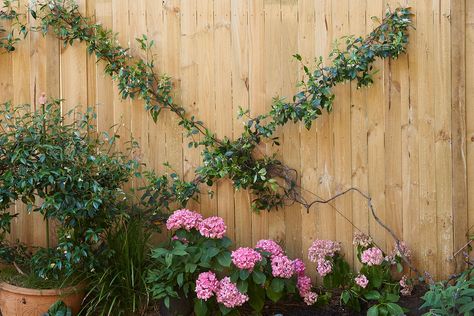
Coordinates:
column 19, row 301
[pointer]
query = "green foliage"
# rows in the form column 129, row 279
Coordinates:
column 12, row 19
column 166, row 193
column 270, row 182
column 59, row 309
column 451, row 298
column 178, row 263
column 65, row 172
column 118, row 286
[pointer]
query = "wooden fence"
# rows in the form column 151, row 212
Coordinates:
column 408, row 140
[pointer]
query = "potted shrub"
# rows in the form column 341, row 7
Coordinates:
column 61, row 168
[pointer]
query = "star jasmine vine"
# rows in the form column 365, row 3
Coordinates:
column 271, row 183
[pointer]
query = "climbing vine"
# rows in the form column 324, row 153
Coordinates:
column 271, row 183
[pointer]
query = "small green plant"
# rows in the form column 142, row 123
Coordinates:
column 59, row 309
column 118, row 287
column 455, row 297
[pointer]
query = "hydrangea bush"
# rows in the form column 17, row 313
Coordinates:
column 372, row 286
column 197, row 263
column 195, row 246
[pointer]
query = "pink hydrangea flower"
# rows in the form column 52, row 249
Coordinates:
column 324, row 267
column 321, row 249
column 406, row 287
column 310, row 298
column 361, row 239
column 270, row 246
column 282, row 267
column 299, row 266
column 245, row 258
column 303, row 285
column 362, row 281
column 206, row 285
column 213, row 227
column 185, row 219
column 372, row 256
column 228, row 294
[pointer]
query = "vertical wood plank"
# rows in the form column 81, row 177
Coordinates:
column 308, row 148
column 325, row 123
column 240, row 98
column 257, row 90
column 470, row 112
column 459, row 121
column 358, row 127
column 443, row 138
column 375, row 135
column 224, row 113
column 410, row 150
column 427, row 175
column 104, row 87
column 342, row 140
column 189, row 72
column 273, row 88
column 291, row 143
column 204, row 52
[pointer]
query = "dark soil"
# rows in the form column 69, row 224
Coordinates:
column 334, row 308
column 412, row 303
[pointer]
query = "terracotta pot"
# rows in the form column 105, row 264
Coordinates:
column 19, row 301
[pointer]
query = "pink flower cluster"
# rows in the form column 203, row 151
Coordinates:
column 213, row 227
column 304, row 288
column 362, row 281
column 406, row 286
column 299, row 267
column 372, row 256
column 311, row 298
column 324, row 267
column 228, row 294
column 361, row 239
column 206, row 285
column 270, row 246
column 321, row 249
column 282, row 267
column 184, row 219
column 245, row 258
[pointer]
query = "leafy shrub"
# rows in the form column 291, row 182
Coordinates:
column 451, row 298
column 59, row 167
column 118, row 286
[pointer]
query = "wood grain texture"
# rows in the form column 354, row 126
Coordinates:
column 408, row 140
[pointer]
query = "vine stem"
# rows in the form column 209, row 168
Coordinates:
column 374, row 215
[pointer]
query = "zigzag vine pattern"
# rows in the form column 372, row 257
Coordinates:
column 270, row 182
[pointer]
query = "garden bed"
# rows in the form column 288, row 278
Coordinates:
column 412, row 303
